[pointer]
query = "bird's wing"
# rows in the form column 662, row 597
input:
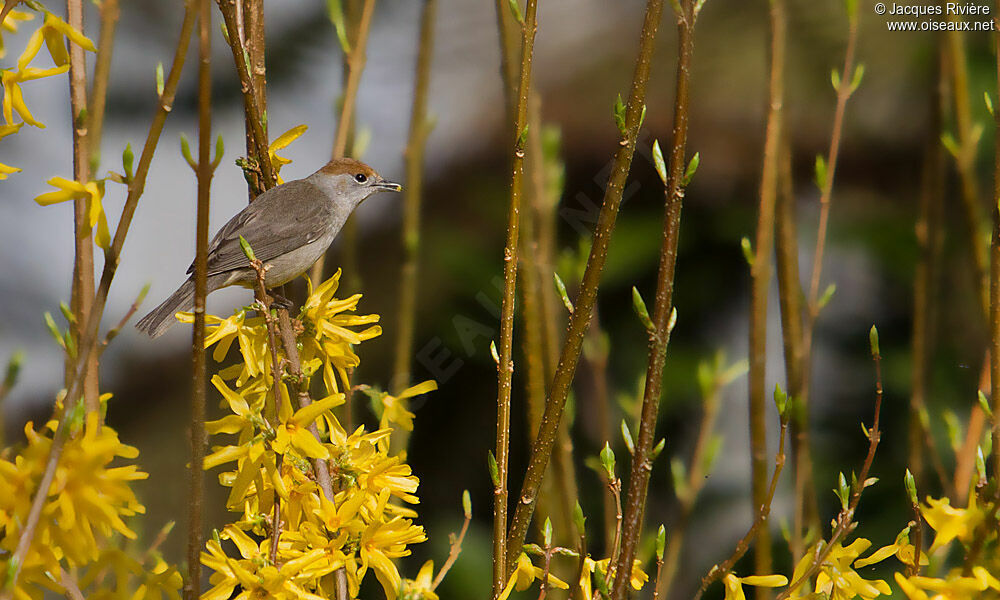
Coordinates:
column 271, row 226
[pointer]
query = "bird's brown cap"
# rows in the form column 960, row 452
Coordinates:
column 349, row 166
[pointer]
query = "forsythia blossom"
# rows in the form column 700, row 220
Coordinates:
column 283, row 448
column 84, row 512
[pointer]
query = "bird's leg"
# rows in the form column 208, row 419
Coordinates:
column 280, row 301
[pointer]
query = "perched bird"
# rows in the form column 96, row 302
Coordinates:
column 289, row 227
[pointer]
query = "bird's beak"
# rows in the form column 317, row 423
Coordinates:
column 388, row 186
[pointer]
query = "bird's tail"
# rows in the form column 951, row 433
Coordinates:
column 162, row 318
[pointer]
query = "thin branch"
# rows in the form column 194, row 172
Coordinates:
column 845, row 520
column 790, row 300
column 720, row 570
column 102, row 74
column 761, row 274
column 414, row 155
column 354, row 63
column 453, row 552
column 664, row 313
column 83, row 265
column 92, row 323
column 995, row 284
column 251, row 106
column 587, row 296
column 196, row 479
column 501, row 555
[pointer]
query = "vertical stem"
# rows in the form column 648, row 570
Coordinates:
column 790, row 298
column 663, row 312
column 102, row 74
column 928, row 235
column 83, row 266
column 541, row 450
column 501, row 551
column 192, row 586
column 995, row 283
column 414, row 155
column 761, row 273
column 965, row 161
column 355, row 65
column 508, row 64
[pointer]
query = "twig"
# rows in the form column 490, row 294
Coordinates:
column 102, row 74
column 354, row 63
column 196, row 479
column 575, row 592
column 929, row 236
column 965, row 162
column 251, row 105
column 83, row 266
column 844, row 522
column 69, row 582
column 995, row 287
column 587, row 296
column 414, row 155
column 91, row 326
column 114, row 331
column 761, row 274
column 790, row 299
column 764, row 511
column 696, row 480
column 453, row 551
column 501, row 556
column 664, row 313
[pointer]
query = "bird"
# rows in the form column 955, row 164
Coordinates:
column 289, row 227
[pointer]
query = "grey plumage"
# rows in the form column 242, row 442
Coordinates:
column 289, row 227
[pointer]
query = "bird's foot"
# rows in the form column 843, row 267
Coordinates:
column 279, row 301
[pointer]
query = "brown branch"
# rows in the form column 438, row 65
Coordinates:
column 720, row 570
column 587, row 296
column 929, row 238
column 995, row 284
column 505, row 367
column 695, row 481
column 354, row 64
column 664, row 312
column 845, row 520
column 790, row 300
column 109, row 13
column 91, row 325
column 414, row 155
column 251, row 105
column 965, row 163
column 196, row 479
column 761, row 275
column 453, row 552
column 83, row 265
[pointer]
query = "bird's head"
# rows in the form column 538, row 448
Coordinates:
column 350, row 181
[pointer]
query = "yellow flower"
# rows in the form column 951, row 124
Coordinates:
column 384, row 540
column 85, row 504
column 525, row 573
column 13, row 97
column 837, row 577
column 394, row 408
column 421, row 588
column 294, row 429
column 93, row 193
column 280, row 142
column 52, row 32
column 954, row 587
column 734, row 585
column 327, row 338
column 949, row 522
column 10, row 24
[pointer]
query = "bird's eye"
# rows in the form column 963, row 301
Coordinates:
column 361, row 178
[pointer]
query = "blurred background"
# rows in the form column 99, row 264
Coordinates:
column 584, row 58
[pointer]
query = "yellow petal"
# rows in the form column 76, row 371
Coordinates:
column 34, row 44
column 74, row 36
column 765, row 580
column 287, row 138
column 422, row 388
